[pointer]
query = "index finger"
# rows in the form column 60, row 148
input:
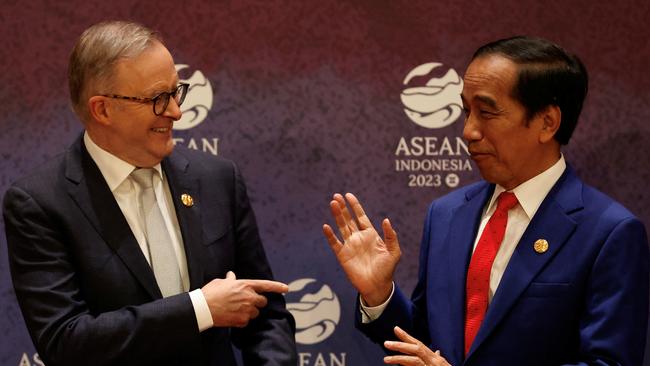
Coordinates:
column 267, row 286
column 402, row 347
column 405, row 337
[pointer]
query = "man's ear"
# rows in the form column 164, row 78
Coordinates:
column 551, row 118
column 98, row 108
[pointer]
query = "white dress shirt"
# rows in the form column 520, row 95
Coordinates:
column 117, row 173
column 530, row 195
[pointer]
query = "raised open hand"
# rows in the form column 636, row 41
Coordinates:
column 368, row 260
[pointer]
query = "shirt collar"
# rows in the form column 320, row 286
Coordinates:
column 532, row 192
column 114, row 169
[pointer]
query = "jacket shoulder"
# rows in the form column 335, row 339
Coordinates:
column 45, row 177
column 461, row 195
column 200, row 161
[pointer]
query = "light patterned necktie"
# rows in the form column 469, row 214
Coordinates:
column 161, row 250
column 478, row 275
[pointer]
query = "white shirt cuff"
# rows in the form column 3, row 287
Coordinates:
column 371, row 313
column 201, row 310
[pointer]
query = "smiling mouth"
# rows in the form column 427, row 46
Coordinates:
column 161, row 129
column 478, row 155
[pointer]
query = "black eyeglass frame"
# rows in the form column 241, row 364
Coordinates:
column 165, row 95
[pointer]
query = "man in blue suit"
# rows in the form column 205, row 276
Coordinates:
column 124, row 250
column 529, row 267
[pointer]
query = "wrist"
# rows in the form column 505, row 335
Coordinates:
column 378, row 296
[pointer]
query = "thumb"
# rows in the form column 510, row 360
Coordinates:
column 390, row 237
column 231, row 275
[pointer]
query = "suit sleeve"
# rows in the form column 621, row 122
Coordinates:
column 614, row 324
column 270, row 338
column 64, row 331
column 408, row 314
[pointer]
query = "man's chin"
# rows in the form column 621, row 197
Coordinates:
column 169, row 147
column 168, row 151
column 489, row 175
column 155, row 157
column 485, row 170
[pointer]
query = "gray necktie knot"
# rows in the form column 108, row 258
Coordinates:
column 143, row 177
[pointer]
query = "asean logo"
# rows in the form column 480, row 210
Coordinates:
column 435, row 104
column 316, row 309
column 197, row 102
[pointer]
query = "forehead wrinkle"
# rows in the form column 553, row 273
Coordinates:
column 135, row 81
column 484, row 87
column 164, row 83
column 480, row 98
column 162, row 86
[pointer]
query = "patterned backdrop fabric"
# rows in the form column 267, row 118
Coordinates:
column 316, row 97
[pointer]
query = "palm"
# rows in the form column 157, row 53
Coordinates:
column 365, row 259
column 368, row 261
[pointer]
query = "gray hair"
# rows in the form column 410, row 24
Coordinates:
column 95, row 54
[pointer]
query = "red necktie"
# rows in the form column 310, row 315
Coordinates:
column 478, row 274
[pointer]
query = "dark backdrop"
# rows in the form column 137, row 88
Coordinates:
column 305, row 97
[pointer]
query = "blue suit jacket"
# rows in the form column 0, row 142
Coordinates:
column 86, row 291
column 584, row 301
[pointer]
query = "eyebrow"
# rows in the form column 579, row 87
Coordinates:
column 158, row 90
column 487, row 100
column 483, row 99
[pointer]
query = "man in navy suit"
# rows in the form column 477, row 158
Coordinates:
column 111, row 268
column 529, row 267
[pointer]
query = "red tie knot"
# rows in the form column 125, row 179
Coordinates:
column 506, row 201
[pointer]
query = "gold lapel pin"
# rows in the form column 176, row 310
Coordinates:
column 187, row 200
column 540, row 246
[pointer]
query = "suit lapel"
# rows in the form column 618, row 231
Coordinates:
column 88, row 188
column 551, row 222
column 460, row 242
column 177, row 170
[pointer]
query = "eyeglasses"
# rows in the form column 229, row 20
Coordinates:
column 160, row 101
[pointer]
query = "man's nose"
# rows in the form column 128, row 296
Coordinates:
column 472, row 130
column 173, row 110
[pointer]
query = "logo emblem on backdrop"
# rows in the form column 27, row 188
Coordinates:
column 198, row 101
column 435, row 103
column 431, row 99
column 316, row 309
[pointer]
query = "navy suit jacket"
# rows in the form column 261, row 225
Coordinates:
column 86, row 291
column 582, row 302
